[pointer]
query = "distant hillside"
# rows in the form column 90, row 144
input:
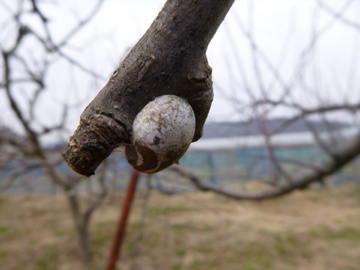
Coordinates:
column 259, row 127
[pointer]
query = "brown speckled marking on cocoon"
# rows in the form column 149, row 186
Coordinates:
column 161, row 134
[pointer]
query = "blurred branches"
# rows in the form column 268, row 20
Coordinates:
column 25, row 78
column 265, row 90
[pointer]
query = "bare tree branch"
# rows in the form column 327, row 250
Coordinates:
column 33, row 73
column 168, row 60
column 343, row 156
column 339, row 14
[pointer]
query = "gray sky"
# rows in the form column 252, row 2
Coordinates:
column 281, row 29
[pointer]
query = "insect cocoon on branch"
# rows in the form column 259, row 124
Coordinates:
column 161, row 133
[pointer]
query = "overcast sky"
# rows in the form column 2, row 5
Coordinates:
column 281, row 29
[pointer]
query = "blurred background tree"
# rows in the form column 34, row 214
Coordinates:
column 30, row 48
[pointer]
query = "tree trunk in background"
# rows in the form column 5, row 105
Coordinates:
column 81, row 226
column 17, row 62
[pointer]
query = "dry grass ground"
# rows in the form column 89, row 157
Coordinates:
column 313, row 230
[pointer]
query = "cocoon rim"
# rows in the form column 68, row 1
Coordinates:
column 161, row 134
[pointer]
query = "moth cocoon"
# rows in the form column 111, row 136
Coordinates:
column 161, row 134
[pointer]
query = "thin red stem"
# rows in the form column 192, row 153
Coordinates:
column 123, row 218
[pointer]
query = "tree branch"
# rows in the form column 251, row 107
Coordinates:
column 343, row 156
column 169, row 59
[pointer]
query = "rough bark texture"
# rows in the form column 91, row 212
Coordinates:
column 169, row 59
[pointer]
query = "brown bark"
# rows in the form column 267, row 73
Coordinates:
column 169, row 59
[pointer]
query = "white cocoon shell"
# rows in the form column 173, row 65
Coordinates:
column 166, row 126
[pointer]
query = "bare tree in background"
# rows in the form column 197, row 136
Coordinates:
column 27, row 55
column 108, row 118
column 305, row 95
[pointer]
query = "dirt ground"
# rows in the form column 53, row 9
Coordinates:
column 312, row 229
